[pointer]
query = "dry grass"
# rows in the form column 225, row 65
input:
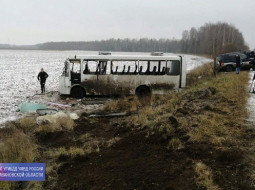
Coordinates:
column 71, row 152
column 18, row 148
column 26, row 124
column 175, row 144
column 173, row 101
column 34, row 185
column 204, row 177
column 57, row 124
column 5, row 185
column 214, row 127
column 147, row 116
column 208, row 126
column 139, row 120
column 222, row 126
column 124, row 104
column 201, row 72
column 112, row 141
column 165, row 130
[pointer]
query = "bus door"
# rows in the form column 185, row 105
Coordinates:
column 173, row 68
column 75, row 71
column 64, row 80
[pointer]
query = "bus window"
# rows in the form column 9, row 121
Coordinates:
column 76, row 67
column 86, row 69
column 157, row 67
column 173, row 68
column 143, row 67
column 123, row 67
column 66, row 69
column 102, row 67
column 108, row 69
column 90, row 67
column 153, row 67
column 162, row 68
column 75, row 73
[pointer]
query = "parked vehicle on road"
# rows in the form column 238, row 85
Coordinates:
column 227, row 61
column 107, row 74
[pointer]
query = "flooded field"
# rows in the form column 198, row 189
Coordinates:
column 18, row 80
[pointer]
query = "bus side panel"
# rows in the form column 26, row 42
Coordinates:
column 127, row 84
column 163, row 84
column 105, row 85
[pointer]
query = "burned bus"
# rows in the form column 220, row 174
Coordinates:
column 106, row 74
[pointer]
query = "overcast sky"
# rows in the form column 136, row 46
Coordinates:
column 37, row 21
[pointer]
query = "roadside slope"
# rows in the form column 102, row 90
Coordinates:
column 196, row 138
column 182, row 141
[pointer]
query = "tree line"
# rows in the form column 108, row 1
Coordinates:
column 126, row 45
column 210, row 39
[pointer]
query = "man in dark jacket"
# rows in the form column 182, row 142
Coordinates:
column 252, row 59
column 42, row 76
column 238, row 64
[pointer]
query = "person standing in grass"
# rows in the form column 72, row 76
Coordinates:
column 238, row 64
column 42, row 76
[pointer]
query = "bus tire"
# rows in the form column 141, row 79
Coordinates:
column 77, row 92
column 143, row 91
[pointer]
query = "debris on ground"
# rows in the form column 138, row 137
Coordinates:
column 30, row 107
column 42, row 112
column 59, row 105
column 55, row 118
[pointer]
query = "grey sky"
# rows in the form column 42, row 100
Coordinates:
column 36, row 21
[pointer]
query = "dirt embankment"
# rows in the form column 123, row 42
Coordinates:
column 196, row 139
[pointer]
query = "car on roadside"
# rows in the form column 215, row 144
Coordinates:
column 227, row 62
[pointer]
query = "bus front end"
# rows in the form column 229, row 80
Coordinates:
column 64, row 80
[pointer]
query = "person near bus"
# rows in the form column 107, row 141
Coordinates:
column 252, row 59
column 42, row 76
column 238, row 64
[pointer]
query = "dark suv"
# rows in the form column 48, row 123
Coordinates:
column 227, row 61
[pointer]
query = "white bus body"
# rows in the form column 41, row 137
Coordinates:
column 122, row 74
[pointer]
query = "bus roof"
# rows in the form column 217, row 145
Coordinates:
column 126, row 57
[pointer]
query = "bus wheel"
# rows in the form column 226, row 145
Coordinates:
column 143, row 91
column 77, row 92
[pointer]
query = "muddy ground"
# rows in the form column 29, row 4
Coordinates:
column 138, row 158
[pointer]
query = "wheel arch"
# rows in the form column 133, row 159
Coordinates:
column 229, row 66
column 78, row 86
column 143, row 86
